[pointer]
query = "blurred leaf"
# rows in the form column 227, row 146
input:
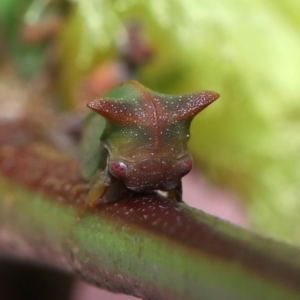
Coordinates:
column 28, row 30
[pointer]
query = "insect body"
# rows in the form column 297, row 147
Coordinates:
column 139, row 141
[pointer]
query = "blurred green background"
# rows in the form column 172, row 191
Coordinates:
column 248, row 51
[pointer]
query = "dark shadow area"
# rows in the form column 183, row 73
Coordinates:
column 21, row 281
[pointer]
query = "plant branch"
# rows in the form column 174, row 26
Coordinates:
column 144, row 245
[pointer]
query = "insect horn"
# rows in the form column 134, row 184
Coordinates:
column 193, row 103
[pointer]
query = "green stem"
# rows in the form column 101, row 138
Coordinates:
column 145, row 245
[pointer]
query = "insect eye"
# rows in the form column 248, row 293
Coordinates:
column 187, row 164
column 118, row 169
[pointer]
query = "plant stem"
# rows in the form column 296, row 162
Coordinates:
column 144, row 245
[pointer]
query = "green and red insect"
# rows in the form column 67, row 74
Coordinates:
column 139, row 141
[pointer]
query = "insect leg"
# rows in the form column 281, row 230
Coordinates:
column 176, row 193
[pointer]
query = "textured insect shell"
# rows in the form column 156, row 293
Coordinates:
column 149, row 165
column 131, row 144
column 92, row 153
column 136, row 140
